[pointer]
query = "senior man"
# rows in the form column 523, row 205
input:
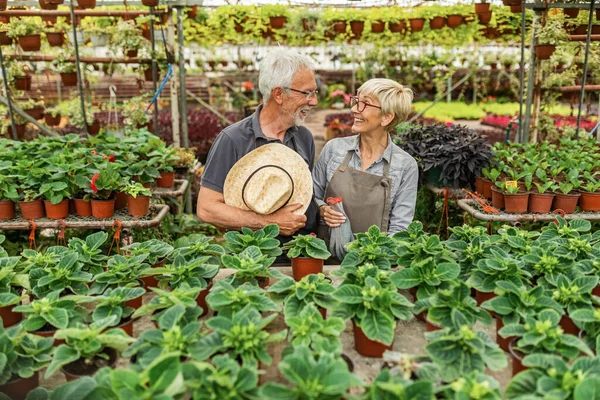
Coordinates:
column 287, row 84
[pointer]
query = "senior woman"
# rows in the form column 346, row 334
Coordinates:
column 376, row 180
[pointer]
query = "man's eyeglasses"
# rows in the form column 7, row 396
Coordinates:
column 360, row 105
column 310, row 94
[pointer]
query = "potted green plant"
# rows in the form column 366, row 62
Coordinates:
column 76, row 117
column 226, row 299
column 52, row 115
column 307, row 254
column 387, row 384
column 156, row 250
column 67, row 276
column 44, row 316
column 264, row 239
column 103, row 185
column 548, row 36
column 320, row 375
column 127, row 36
column 90, row 252
column 23, row 356
column 121, row 271
column 56, row 193
column 426, row 276
column 373, row 246
column 460, row 350
column 251, row 266
column 373, row 310
column 541, row 334
column 12, row 282
column 312, row 289
column 8, row 192
column 484, row 386
column 66, row 68
column 221, row 377
column 178, row 331
column 358, row 275
column 198, row 245
column 138, row 199
column 309, row 328
column 243, row 335
column 164, row 300
column 412, row 252
column 541, row 202
column 590, row 195
column 514, row 303
column 166, row 159
column 27, row 30
column 88, row 349
column 134, row 112
column 487, row 183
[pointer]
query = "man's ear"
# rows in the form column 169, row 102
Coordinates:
column 277, row 95
column 387, row 119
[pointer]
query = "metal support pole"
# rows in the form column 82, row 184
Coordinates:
column 521, row 73
column 78, row 66
column 182, row 89
column 585, row 68
column 7, row 94
column 173, row 84
column 449, row 90
column 154, row 70
column 530, row 81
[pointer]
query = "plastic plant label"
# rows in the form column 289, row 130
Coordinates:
column 511, row 184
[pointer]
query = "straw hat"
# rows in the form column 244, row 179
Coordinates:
column 268, row 178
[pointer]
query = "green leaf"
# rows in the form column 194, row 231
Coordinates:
column 379, row 327
column 57, row 317
column 406, row 278
column 348, row 294
column 448, row 271
column 589, row 389
column 63, row 356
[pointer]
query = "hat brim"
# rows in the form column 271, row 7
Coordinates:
column 270, row 154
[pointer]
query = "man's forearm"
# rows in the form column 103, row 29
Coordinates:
column 227, row 217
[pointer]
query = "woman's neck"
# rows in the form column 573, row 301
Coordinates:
column 373, row 145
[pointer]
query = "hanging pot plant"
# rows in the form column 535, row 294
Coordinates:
column 23, row 82
column 55, row 39
column 571, row 12
column 46, row 5
column 150, row 3
column 548, row 36
column 518, row 8
column 485, row 17
column 416, row 24
column 454, row 20
column 481, row 8
column 437, row 22
column 3, row 4
column 397, row 27
column 357, row 28
column 377, row 26
column 86, row 4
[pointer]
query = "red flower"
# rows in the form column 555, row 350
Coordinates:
column 93, row 183
column 111, row 158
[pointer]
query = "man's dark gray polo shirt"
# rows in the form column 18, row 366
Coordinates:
column 239, row 139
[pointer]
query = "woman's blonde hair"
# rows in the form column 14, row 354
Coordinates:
column 393, row 97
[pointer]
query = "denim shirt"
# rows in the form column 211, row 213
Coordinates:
column 404, row 174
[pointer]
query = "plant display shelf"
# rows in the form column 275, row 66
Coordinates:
column 89, row 60
column 178, row 190
column 80, row 13
column 471, row 207
column 453, row 193
column 156, row 215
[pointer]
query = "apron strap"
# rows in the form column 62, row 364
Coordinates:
column 346, row 161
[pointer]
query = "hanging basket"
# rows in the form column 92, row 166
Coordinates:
column 52, row 121
column 571, row 12
column 481, row 8
column 454, row 21
column 357, row 27
column 150, row 3
column 23, row 82
column 68, row 78
column 3, row 4
column 377, row 26
column 517, row 8
column 437, row 23
column 416, row 24
column 132, row 53
column 397, row 27
column 339, row 27
column 277, row 22
column 485, row 17
column 46, row 5
column 5, row 40
column 544, row 51
column 30, row 42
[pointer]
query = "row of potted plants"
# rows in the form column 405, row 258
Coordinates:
column 505, row 264
column 96, row 172
column 543, row 177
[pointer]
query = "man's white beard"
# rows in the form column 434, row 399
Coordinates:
column 298, row 118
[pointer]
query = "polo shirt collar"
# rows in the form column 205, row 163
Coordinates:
column 387, row 153
column 258, row 133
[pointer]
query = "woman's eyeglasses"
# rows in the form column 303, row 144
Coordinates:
column 360, row 105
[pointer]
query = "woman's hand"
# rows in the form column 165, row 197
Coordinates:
column 332, row 218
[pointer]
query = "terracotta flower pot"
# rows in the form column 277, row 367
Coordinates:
column 502, row 342
column 497, row 198
column 150, row 3
column 571, row 12
column 30, row 42
column 7, row 209
column 166, row 180
column 86, row 3
column 17, row 387
column 416, row 24
column 103, row 208
column 482, row 8
column 566, row 202
column 55, row 39
column 339, row 26
column 516, row 8
column 83, row 208
column 36, row 113
column 516, row 203
column 151, row 281
column 57, row 211
column 366, row 346
column 68, row 78
column 432, row 327
column 480, row 297
column 323, row 312
column 50, row 20
column 277, row 22
column 9, row 317
column 303, row 266
column 437, row 23
column 46, row 5
column 517, row 358
column 568, row 325
column 201, row 299
column 132, row 53
column 377, row 26
column 5, row 40
column 485, row 17
column 3, row 4
column 544, row 51
column 540, row 202
column 22, row 82
column 397, row 27
column 77, row 369
column 94, row 128
column 120, row 200
column 487, row 188
column 127, row 325
column 21, row 128
column 137, row 302
column 32, row 209
column 148, row 75
column 511, row 2
column 589, row 201
column 50, row 334
column 454, row 21
column 596, row 291
column 139, row 206
column 52, row 121
column 357, row 27
column 479, row 185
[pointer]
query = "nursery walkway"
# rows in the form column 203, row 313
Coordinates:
column 315, row 122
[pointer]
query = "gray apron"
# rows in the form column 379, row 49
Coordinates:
column 365, row 197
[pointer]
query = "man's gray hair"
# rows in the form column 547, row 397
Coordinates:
column 277, row 69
